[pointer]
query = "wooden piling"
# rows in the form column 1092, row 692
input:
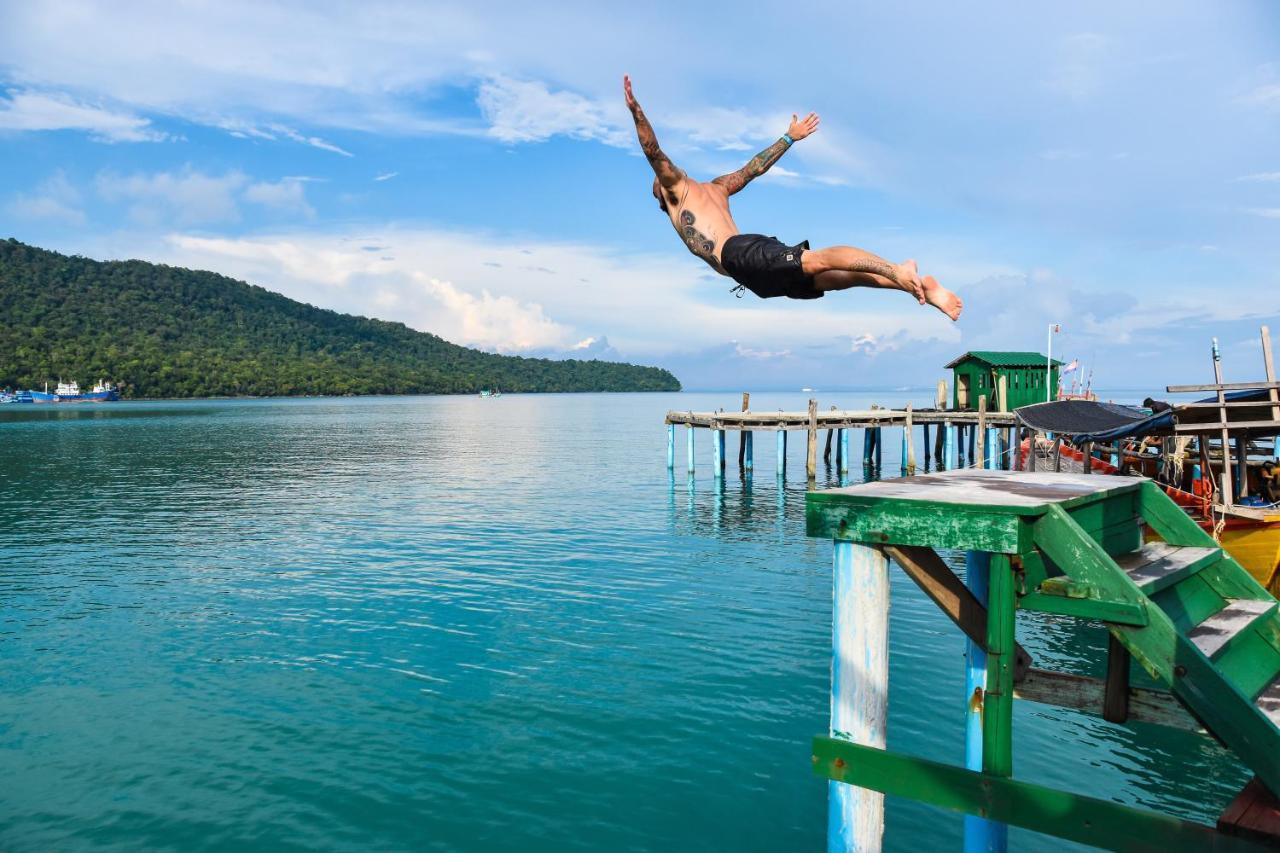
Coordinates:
column 782, row 453
column 1003, row 392
column 671, row 447
column 744, row 436
column 717, row 453
column 844, row 456
column 940, row 398
column 859, row 686
column 927, row 446
column 811, row 457
column 909, row 431
column 1227, row 496
column 980, row 435
column 978, row 832
column 826, row 451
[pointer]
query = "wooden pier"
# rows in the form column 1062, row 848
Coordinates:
column 960, row 436
column 1065, row 544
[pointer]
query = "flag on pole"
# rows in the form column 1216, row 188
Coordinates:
column 1074, row 365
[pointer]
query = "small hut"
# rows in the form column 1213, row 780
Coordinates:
column 977, row 374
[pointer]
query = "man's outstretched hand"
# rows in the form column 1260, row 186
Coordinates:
column 799, row 129
column 626, row 90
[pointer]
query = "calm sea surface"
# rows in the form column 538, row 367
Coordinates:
column 460, row 624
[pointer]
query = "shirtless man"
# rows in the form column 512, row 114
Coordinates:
column 700, row 213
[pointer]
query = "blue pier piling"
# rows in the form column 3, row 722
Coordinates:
column 717, row 453
column 948, row 446
column 980, row 836
column 844, row 456
column 879, row 449
column 991, row 448
column 902, row 461
column 859, row 686
column 839, row 449
column 748, row 456
column 671, row 447
column 690, row 450
column 782, row 453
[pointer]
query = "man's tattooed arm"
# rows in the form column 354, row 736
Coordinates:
column 668, row 174
column 757, row 166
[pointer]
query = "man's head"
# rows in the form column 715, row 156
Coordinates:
column 659, row 195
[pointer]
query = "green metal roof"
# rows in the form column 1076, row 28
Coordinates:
column 1004, row 359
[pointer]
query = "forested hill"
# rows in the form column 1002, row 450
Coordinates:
column 163, row 331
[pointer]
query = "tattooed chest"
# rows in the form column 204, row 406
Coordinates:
column 698, row 242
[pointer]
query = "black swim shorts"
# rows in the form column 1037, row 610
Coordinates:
column 767, row 266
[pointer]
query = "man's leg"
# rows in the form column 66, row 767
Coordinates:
column 842, row 267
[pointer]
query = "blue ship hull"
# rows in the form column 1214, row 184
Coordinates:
column 46, row 397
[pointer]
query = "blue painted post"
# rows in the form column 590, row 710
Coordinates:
column 859, row 687
column 671, row 447
column 879, row 449
column 948, row 445
column 839, row 449
column 980, row 835
column 902, row 464
column 991, row 448
column 690, row 451
column 717, row 453
column 867, row 439
column 748, row 461
column 844, row 456
column 782, row 453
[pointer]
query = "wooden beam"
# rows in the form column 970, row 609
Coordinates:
column 1082, row 693
column 1227, row 499
column 1223, row 386
column 1270, row 368
column 811, row 457
column 742, row 436
column 936, row 580
column 1075, row 817
column 1227, row 425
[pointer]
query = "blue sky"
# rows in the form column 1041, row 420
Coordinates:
column 470, row 170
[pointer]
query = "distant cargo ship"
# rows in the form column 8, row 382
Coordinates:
column 66, row 392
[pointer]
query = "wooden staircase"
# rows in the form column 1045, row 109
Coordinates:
column 1198, row 623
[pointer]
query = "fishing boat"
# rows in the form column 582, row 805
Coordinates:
column 1216, row 457
column 487, row 393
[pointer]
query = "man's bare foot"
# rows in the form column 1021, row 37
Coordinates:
column 909, row 278
column 941, row 298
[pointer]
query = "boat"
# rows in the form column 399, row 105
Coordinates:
column 485, row 392
column 69, row 392
column 1175, row 448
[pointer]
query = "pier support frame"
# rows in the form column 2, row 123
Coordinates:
column 859, row 687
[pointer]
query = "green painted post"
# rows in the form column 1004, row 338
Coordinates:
column 997, row 729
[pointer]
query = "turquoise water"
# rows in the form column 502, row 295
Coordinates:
column 460, row 624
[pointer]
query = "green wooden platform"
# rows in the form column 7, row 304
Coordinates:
column 1192, row 617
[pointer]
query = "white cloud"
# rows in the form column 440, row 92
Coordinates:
column 494, row 322
column 54, row 199
column 188, row 197
column 1260, row 177
column 28, row 110
column 1265, row 212
column 287, row 195
column 385, row 176
column 528, row 111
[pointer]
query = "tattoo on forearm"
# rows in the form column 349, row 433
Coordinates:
column 649, row 143
column 756, row 167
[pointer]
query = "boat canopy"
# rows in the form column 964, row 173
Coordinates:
column 1086, row 420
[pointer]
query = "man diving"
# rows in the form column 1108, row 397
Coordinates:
column 764, row 265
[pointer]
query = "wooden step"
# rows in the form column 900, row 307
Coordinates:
column 1269, row 702
column 1158, row 565
column 1217, row 632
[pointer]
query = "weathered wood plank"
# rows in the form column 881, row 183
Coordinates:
column 1215, row 634
column 1224, row 386
column 1158, row 564
column 1084, row 693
